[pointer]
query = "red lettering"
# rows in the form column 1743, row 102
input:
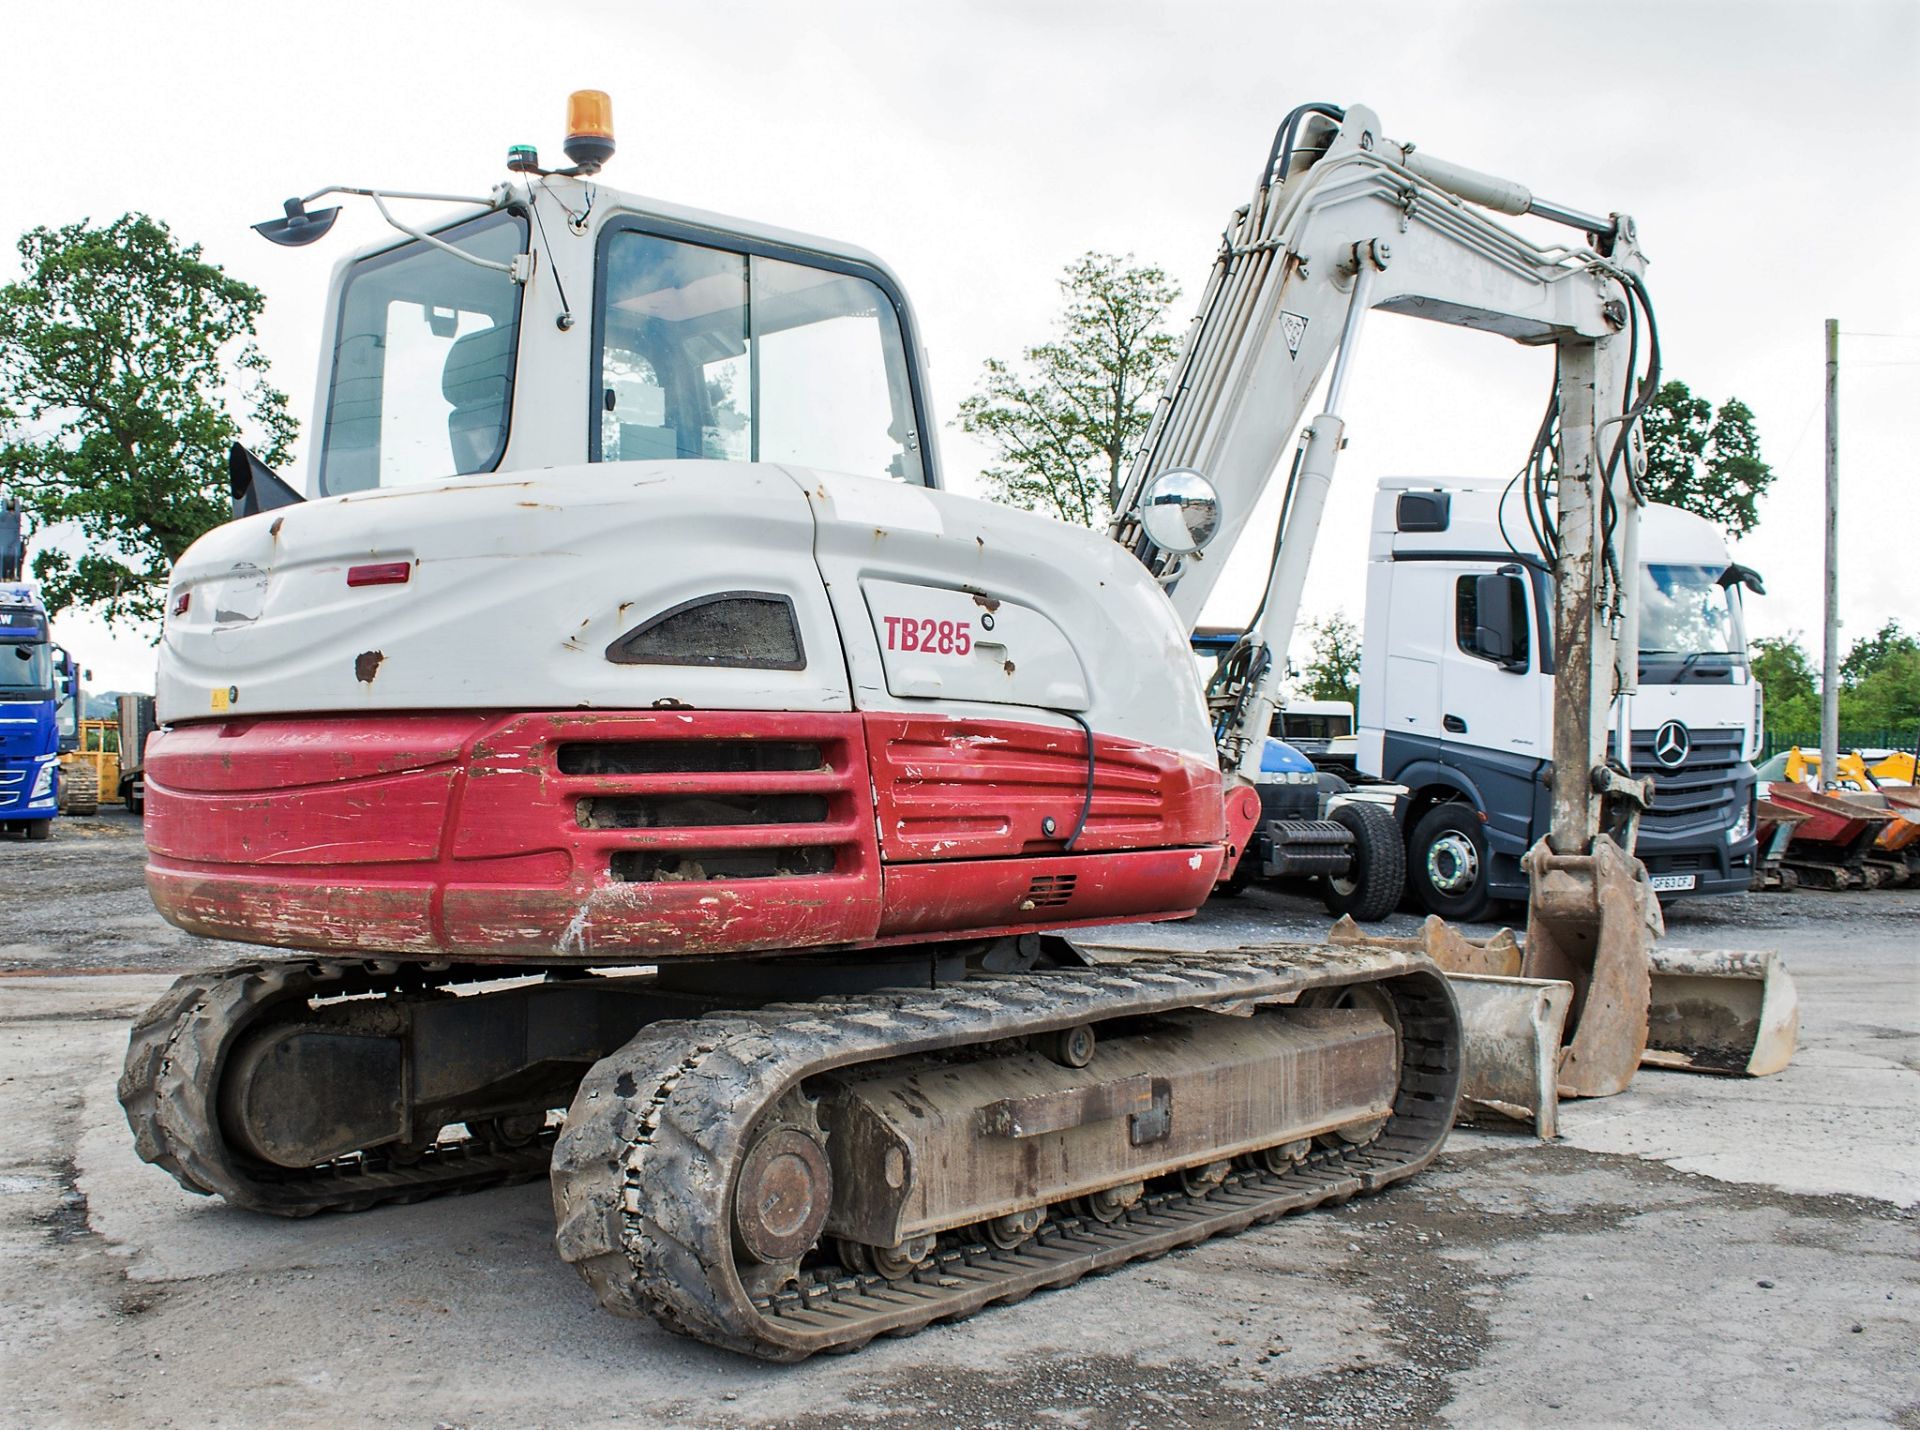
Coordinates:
column 893, row 630
column 962, row 637
column 926, row 633
column 909, row 634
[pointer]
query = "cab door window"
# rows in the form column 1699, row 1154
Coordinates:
column 708, row 353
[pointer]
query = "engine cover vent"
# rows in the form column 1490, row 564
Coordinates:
column 750, row 630
column 681, row 866
column 1050, row 891
column 687, row 757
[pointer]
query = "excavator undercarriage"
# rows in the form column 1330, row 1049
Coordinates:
column 803, row 1175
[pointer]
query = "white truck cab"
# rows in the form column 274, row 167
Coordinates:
column 1457, row 692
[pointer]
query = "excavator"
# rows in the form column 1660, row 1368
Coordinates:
column 634, row 767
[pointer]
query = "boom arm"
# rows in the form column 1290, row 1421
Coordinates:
column 1348, row 222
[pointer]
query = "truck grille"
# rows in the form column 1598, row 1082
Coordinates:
column 1701, row 793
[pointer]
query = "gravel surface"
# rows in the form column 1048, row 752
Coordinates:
column 1696, row 1251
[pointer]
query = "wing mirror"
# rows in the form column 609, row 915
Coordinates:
column 1180, row 511
column 1500, row 604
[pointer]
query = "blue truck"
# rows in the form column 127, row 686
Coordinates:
column 39, row 696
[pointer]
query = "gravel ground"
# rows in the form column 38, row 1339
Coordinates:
column 1697, row 1251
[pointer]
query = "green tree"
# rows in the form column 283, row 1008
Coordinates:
column 1880, row 681
column 1704, row 461
column 1787, row 676
column 1334, row 671
column 1067, row 420
column 127, row 365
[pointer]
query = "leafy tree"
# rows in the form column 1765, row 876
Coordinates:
column 1880, row 681
column 1704, row 461
column 124, row 359
column 1334, row 671
column 1791, row 685
column 1879, row 684
column 1067, row 421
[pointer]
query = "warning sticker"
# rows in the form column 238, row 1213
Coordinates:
column 1293, row 328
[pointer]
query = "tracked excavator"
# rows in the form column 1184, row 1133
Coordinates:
column 635, row 768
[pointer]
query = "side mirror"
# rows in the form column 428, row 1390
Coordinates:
column 255, row 485
column 1180, row 511
column 1500, row 602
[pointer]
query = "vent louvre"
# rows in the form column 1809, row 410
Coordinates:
column 1050, row 891
column 748, row 630
column 645, row 811
column 688, row 757
column 692, row 866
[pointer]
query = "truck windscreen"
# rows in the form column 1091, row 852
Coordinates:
column 1685, row 611
column 26, row 670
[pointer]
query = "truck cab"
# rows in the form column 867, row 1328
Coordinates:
column 34, row 677
column 1456, row 701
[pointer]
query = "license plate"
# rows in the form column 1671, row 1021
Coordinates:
column 1671, row 883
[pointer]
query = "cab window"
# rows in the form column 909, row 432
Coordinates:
column 423, row 361
column 707, row 353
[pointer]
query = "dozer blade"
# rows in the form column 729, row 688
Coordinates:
column 1512, row 1027
column 1719, row 1011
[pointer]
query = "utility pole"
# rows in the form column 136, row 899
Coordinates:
column 1830, row 663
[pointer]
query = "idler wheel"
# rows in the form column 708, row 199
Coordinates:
column 1015, row 1228
column 1069, row 1047
column 1361, row 995
column 781, row 1199
column 893, row 1262
column 516, row 1130
column 1284, row 1158
column 1198, row 1181
column 1113, row 1203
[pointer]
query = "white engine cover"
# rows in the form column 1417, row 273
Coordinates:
column 517, row 583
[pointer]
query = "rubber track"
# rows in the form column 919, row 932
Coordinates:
column 643, row 1172
column 169, row 1090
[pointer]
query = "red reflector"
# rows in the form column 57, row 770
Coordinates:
column 181, row 602
column 384, row 573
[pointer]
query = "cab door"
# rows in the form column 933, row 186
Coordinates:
column 1495, row 698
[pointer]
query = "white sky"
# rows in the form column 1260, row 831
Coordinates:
column 1767, row 152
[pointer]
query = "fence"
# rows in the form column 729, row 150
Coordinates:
column 1778, row 740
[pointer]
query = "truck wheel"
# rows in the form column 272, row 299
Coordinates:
column 1447, row 862
column 39, row 829
column 1370, row 889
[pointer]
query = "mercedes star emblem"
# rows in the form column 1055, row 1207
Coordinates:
column 1671, row 743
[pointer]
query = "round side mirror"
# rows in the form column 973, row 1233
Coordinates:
column 1180, row 510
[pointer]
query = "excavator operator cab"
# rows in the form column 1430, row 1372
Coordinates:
column 700, row 340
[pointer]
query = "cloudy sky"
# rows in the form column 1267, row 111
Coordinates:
column 1768, row 152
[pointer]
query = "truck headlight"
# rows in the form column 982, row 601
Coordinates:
column 42, row 784
column 1743, row 825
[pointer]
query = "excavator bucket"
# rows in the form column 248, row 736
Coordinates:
column 1721, row 1011
column 1590, row 962
column 1591, row 922
column 1513, row 1027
